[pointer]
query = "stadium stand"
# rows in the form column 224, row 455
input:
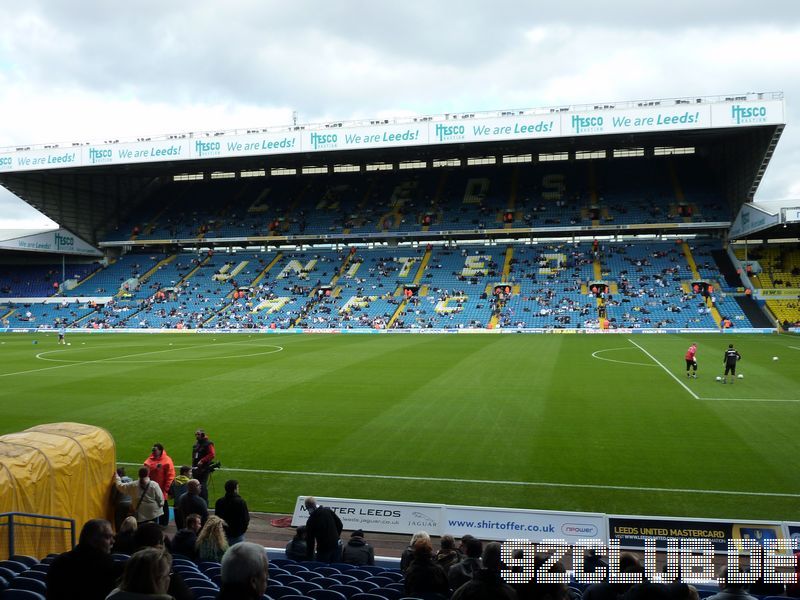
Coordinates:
column 644, row 284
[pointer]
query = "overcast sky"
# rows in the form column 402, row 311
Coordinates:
column 93, row 70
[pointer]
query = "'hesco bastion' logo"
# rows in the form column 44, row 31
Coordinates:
column 587, row 124
column 64, row 241
column 748, row 114
column 100, row 155
column 324, row 141
column 202, row 148
column 449, row 133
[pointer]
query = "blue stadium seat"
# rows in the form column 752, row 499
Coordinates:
column 26, row 583
column 367, row 596
column 309, row 575
column 345, row 578
column 7, row 574
column 306, row 586
column 347, row 591
column 287, row 579
column 365, row 586
column 280, row 591
column 3, row 583
column 390, row 593
column 25, row 560
column 292, row 568
column 325, row 595
column 13, row 565
column 22, row 595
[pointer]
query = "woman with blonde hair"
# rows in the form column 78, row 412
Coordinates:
column 211, row 541
column 124, row 542
column 146, row 576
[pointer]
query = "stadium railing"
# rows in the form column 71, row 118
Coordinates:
column 34, row 535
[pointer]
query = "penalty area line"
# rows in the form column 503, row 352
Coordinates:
column 591, row 486
column 668, row 372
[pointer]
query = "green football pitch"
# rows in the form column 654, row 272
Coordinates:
column 605, row 423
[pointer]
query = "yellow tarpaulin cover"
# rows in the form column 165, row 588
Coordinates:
column 57, row 469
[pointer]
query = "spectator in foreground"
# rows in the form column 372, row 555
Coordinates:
column 448, row 554
column 408, row 553
column 151, row 535
column 296, row 548
column 357, row 551
column 731, row 591
column 460, row 573
column 146, row 576
column 486, row 583
column 423, row 575
column 87, row 572
column 245, row 572
column 211, row 542
column 232, row 509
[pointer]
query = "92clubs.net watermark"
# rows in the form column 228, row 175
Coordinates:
column 688, row 560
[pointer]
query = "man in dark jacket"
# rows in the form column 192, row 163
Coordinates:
column 462, row 572
column 87, row 572
column 323, row 529
column 358, row 551
column 233, row 510
column 184, row 540
column 191, row 502
column 486, row 583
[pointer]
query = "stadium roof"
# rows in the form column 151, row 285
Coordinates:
column 91, row 188
column 767, row 220
column 50, row 241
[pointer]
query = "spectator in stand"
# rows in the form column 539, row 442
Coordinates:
column 296, row 548
column 233, row 510
column 178, row 489
column 408, row 553
column 448, row 554
column 357, row 551
column 87, row 572
column 542, row 591
column 122, row 502
column 147, row 501
column 323, row 529
column 191, row 502
column 146, row 577
column 731, row 591
column 124, row 542
column 151, row 535
column 462, row 572
column 423, row 576
column 245, row 572
column 211, row 542
column 486, row 583
column 184, row 541
column 162, row 471
column 628, row 563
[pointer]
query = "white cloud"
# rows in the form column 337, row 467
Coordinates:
column 97, row 71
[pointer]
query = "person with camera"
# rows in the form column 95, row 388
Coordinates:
column 162, row 471
column 203, row 454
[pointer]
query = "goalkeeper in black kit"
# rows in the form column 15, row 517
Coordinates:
column 730, row 359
